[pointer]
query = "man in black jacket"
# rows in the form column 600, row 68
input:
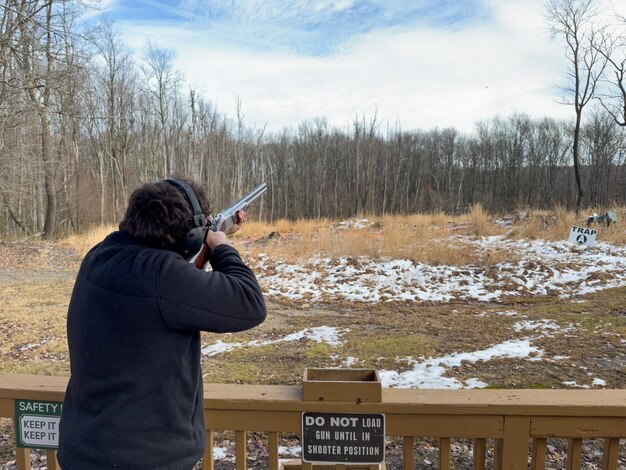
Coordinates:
column 134, row 400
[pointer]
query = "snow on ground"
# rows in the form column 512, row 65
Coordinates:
column 430, row 373
column 320, row 334
column 219, row 453
column 596, row 383
column 541, row 325
column 224, row 453
column 544, row 268
column 290, row 450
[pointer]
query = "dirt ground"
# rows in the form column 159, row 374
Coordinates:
column 36, row 281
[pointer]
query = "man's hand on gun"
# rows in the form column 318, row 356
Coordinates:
column 227, row 222
column 213, row 239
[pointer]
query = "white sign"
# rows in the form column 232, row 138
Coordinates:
column 38, row 430
column 582, row 235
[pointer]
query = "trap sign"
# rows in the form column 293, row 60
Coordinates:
column 343, row 438
column 582, row 235
column 37, row 424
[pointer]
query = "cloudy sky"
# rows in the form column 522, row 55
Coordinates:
column 420, row 63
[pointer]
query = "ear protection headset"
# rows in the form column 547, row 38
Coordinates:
column 194, row 237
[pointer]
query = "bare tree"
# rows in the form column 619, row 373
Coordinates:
column 573, row 20
column 613, row 49
column 162, row 82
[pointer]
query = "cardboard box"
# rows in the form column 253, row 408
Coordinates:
column 347, row 385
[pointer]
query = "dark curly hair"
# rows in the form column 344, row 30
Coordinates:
column 159, row 215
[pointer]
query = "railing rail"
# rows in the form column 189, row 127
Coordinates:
column 518, row 421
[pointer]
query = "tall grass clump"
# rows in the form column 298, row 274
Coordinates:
column 83, row 242
column 563, row 221
column 479, row 221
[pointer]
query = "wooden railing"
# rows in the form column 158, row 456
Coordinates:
column 519, row 421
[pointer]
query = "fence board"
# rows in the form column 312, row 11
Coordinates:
column 22, row 458
column 7, row 408
column 261, row 421
column 207, row 458
column 538, row 454
column 480, row 446
column 574, row 454
column 587, row 428
column 515, row 446
column 611, row 454
column 272, row 450
column 240, row 450
column 52, row 462
column 497, row 454
column 445, row 425
column 444, row 453
column 408, row 454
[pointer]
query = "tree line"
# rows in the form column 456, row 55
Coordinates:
column 84, row 120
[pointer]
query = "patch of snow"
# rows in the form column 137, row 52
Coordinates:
column 475, row 383
column 289, row 450
column 560, row 358
column 507, row 313
column 219, row 453
column 320, row 334
column 572, row 383
column 599, row 382
column 220, row 347
column 430, row 373
column 349, row 361
column 544, row 268
column 533, row 325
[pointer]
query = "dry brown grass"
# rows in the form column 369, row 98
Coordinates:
column 429, row 238
column 426, row 238
column 479, row 221
column 84, row 241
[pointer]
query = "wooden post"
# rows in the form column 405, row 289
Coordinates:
column 611, row 453
column 207, row 458
column 307, row 466
column 574, row 454
column 52, row 462
column 272, row 450
column 22, row 456
column 539, row 454
column 408, row 454
column 515, row 446
column 497, row 454
column 444, row 453
column 240, row 450
column 479, row 454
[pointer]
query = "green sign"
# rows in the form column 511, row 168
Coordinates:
column 37, row 424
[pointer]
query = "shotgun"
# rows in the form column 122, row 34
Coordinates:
column 226, row 219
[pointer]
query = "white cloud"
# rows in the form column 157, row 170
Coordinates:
column 423, row 78
column 335, row 5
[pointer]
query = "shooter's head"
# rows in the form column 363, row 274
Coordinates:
column 161, row 215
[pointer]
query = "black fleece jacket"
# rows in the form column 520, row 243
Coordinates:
column 134, row 400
